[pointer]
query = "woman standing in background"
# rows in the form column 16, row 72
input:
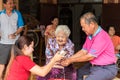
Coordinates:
column 50, row 29
column 115, row 39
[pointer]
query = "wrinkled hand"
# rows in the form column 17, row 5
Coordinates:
column 65, row 62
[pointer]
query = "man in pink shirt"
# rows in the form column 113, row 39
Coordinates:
column 97, row 49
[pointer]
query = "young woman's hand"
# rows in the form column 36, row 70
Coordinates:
column 58, row 56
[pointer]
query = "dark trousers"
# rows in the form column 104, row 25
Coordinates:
column 107, row 72
column 84, row 70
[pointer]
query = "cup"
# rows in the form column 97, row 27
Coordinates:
column 62, row 52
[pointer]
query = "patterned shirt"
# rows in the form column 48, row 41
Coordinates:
column 52, row 47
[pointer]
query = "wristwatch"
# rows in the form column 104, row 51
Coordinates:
column 15, row 34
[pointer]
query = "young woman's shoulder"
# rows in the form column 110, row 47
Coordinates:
column 22, row 58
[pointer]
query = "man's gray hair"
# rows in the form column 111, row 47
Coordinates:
column 63, row 28
column 89, row 17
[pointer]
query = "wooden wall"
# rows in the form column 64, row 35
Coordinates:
column 111, row 15
column 1, row 5
column 46, row 11
column 49, row 1
column 111, row 1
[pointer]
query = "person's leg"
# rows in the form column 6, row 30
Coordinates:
column 1, row 70
column 4, row 58
column 102, row 73
column 85, row 70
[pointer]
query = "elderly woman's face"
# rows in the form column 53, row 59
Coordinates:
column 61, row 38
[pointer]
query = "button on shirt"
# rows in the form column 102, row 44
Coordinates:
column 9, row 25
column 100, row 46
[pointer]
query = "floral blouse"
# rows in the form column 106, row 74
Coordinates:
column 52, row 47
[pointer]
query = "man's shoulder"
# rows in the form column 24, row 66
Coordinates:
column 1, row 11
column 16, row 11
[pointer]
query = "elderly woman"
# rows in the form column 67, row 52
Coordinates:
column 61, row 42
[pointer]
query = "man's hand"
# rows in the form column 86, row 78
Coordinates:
column 12, row 36
column 65, row 62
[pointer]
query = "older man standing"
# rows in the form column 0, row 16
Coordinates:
column 11, row 24
column 97, row 49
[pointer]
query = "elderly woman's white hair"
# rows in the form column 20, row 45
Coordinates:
column 63, row 28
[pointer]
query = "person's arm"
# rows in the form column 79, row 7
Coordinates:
column 80, row 56
column 19, row 30
column 13, row 36
column 49, row 32
column 42, row 71
column 83, row 58
column 46, row 34
column 25, row 30
column 20, row 24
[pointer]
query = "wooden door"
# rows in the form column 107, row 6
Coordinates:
column 46, row 12
column 111, row 16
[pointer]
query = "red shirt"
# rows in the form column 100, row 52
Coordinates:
column 20, row 68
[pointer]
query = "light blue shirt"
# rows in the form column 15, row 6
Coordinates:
column 9, row 25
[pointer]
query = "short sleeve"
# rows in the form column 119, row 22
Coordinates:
column 20, row 20
column 85, row 44
column 0, row 19
column 97, row 45
column 97, row 48
column 26, row 62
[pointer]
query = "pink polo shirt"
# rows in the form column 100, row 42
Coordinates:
column 101, row 47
